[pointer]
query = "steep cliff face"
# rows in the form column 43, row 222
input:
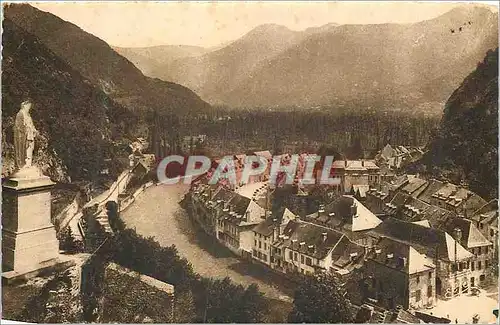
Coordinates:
column 80, row 126
column 466, row 144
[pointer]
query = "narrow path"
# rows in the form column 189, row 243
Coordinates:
column 157, row 213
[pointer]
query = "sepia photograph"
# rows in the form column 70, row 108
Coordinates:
column 250, row 162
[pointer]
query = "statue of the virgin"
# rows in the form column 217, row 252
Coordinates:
column 24, row 136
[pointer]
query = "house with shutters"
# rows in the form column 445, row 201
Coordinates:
column 227, row 215
column 451, row 259
column 359, row 173
column 396, row 274
column 309, row 248
column 486, row 220
column 266, row 233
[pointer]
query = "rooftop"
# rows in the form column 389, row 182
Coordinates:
column 429, row 241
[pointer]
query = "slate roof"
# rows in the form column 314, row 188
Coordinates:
column 429, row 241
column 486, row 208
column 339, row 212
column 297, row 232
column 266, row 227
column 471, row 236
column 437, row 216
column 403, row 256
column 487, row 214
column 432, row 187
column 414, row 185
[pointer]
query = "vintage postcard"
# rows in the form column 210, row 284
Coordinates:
column 250, row 162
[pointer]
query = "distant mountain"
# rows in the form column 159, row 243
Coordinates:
column 214, row 73
column 98, row 62
column 466, row 145
column 151, row 60
column 384, row 65
column 80, row 126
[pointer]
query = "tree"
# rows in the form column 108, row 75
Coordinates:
column 320, row 299
column 67, row 242
column 254, row 308
column 184, row 308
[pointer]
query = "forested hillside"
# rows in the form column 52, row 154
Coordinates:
column 466, row 145
column 80, row 126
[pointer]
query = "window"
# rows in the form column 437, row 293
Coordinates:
column 254, row 252
column 265, row 246
column 302, row 259
column 429, row 291
column 290, row 255
column 479, row 251
column 295, row 256
column 492, row 233
column 418, row 295
column 308, row 261
column 255, row 241
column 430, row 275
column 486, row 264
column 479, row 265
column 418, row 279
column 473, row 266
column 260, row 244
column 264, row 257
column 486, row 250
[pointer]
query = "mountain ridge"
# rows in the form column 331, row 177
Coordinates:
column 415, row 64
column 113, row 73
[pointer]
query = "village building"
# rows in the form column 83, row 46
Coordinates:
column 309, row 248
column 486, row 220
column 396, row 274
column 362, row 173
column 457, row 199
column 266, row 233
column 396, row 157
column 229, row 216
column 452, row 260
column 348, row 216
column 407, row 208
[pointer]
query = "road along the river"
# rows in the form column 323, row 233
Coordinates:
column 156, row 213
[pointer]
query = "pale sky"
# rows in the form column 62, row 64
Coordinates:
column 136, row 24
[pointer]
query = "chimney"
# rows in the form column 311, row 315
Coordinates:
column 301, row 244
column 311, row 248
column 293, row 242
column 325, row 235
column 353, row 255
column 378, row 251
column 354, row 209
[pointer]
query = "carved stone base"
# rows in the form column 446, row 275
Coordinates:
column 28, row 235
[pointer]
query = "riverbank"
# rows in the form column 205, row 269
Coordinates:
column 157, row 213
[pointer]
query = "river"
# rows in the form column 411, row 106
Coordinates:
column 156, row 213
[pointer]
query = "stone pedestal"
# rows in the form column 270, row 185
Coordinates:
column 28, row 236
